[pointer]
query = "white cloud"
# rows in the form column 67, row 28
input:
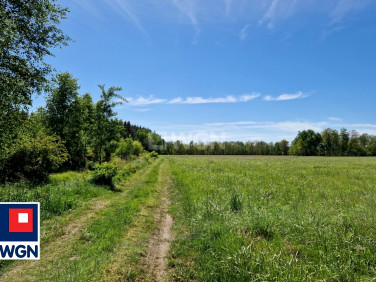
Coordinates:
column 142, row 110
column 285, row 97
column 227, row 99
column 251, row 130
column 141, row 101
column 201, row 100
column 334, row 119
column 289, row 126
column 248, row 97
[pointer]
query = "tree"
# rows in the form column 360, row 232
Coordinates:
column 28, row 32
column 330, row 142
column 306, row 143
column 344, row 141
column 284, row 147
column 65, row 118
column 103, row 129
column 144, row 136
column 354, row 148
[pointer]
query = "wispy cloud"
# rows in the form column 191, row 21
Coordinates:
column 278, row 10
column 142, row 101
column 201, row 100
column 244, row 32
column 334, row 119
column 344, row 7
column 123, row 7
column 291, row 126
column 188, row 9
column 248, row 97
column 228, row 4
column 285, row 97
column 143, row 110
column 251, row 130
column 266, row 13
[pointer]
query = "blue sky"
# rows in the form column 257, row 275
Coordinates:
column 227, row 69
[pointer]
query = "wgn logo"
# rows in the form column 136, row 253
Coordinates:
column 19, row 231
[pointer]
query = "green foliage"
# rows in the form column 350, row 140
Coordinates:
column 33, row 156
column 105, row 129
column 153, row 154
column 144, row 136
column 28, row 32
column 128, row 148
column 137, row 148
column 307, row 143
column 104, row 173
column 65, row 117
column 125, row 148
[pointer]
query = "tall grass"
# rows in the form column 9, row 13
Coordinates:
column 65, row 191
column 274, row 218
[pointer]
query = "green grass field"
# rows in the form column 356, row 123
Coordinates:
column 273, row 218
column 236, row 218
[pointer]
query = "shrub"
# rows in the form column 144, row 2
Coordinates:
column 33, row 158
column 103, row 174
column 154, row 154
column 137, row 148
column 125, row 148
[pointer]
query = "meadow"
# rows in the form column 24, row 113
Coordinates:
column 235, row 218
column 273, row 218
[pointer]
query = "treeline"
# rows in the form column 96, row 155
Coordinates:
column 70, row 132
column 329, row 142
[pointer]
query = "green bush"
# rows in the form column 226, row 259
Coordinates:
column 128, row 148
column 137, row 148
column 33, row 158
column 125, row 148
column 154, row 154
column 103, row 174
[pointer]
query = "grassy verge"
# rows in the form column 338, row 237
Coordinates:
column 126, row 262
column 78, row 256
column 67, row 196
column 273, row 218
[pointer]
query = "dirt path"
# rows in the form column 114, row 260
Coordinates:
column 67, row 235
column 159, row 245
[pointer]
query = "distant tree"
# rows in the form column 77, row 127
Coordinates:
column 372, row 146
column 144, row 137
column 364, row 142
column 306, row 143
column 276, row 149
column 344, row 141
column 284, row 147
column 354, row 148
column 192, row 148
column 330, row 142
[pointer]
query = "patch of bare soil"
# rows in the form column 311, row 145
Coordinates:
column 159, row 245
